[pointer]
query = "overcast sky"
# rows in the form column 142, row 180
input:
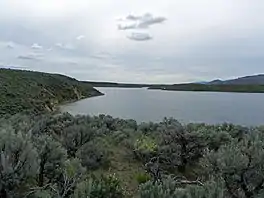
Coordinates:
column 152, row 41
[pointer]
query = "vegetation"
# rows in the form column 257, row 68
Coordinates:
column 102, row 157
column 212, row 87
column 38, row 92
column 48, row 155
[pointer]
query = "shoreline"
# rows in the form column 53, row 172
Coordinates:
column 58, row 106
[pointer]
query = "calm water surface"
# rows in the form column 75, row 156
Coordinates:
column 154, row 105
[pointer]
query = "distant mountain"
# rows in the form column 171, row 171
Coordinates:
column 247, row 80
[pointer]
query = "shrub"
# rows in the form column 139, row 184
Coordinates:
column 145, row 148
column 240, row 164
column 105, row 187
column 72, row 175
column 18, row 162
column 52, row 157
column 94, row 154
column 75, row 136
column 171, row 188
column 179, row 147
column 143, row 178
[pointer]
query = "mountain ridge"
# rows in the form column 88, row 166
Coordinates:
column 257, row 79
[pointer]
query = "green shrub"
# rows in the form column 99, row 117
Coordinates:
column 94, row 154
column 105, row 187
column 18, row 162
column 240, row 164
column 75, row 136
column 144, row 148
column 52, row 157
column 142, row 178
column 171, row 188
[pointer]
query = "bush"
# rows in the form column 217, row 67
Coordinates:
column 52, row 158
column 72, row 175
column 171, row 188
column 240, row 164
column 145, row 148
column 143, row 178
column 75, row 136
column 18, row 162
column 105, row 187
column 94, row 155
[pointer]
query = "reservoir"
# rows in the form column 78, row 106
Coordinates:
column 145, row 105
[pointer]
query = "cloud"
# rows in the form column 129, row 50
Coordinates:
column 138, row 22
column 10, row 45
column 126, row 26
column 64, row 46
column 139, row 36
column 80, row 37
column 33, row 57
column 36, row 46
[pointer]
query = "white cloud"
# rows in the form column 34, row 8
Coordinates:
column 36, row 46
column 10, row 45
column 143, row 21
column 64, row 46
column 80, row 37
column 139, row 36
column 127, row 26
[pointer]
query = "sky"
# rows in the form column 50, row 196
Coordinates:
column 150, row 41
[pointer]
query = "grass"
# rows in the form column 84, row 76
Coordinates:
column 123, row 166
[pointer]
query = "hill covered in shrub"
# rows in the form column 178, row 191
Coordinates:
column 65, row 156
column 38, row 92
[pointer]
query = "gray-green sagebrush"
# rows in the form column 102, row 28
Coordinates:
column 77, row 156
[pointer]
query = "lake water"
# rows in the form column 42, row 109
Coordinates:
column 154, row 105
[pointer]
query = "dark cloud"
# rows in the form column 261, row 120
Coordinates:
column 139, row 36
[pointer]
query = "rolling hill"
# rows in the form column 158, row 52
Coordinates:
column 247, row 80
column 38, row 92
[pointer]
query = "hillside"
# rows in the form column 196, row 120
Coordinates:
column 38, row 92
column 247, row 84
column 212, row 88
column 247, row 80
column 113, row 84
